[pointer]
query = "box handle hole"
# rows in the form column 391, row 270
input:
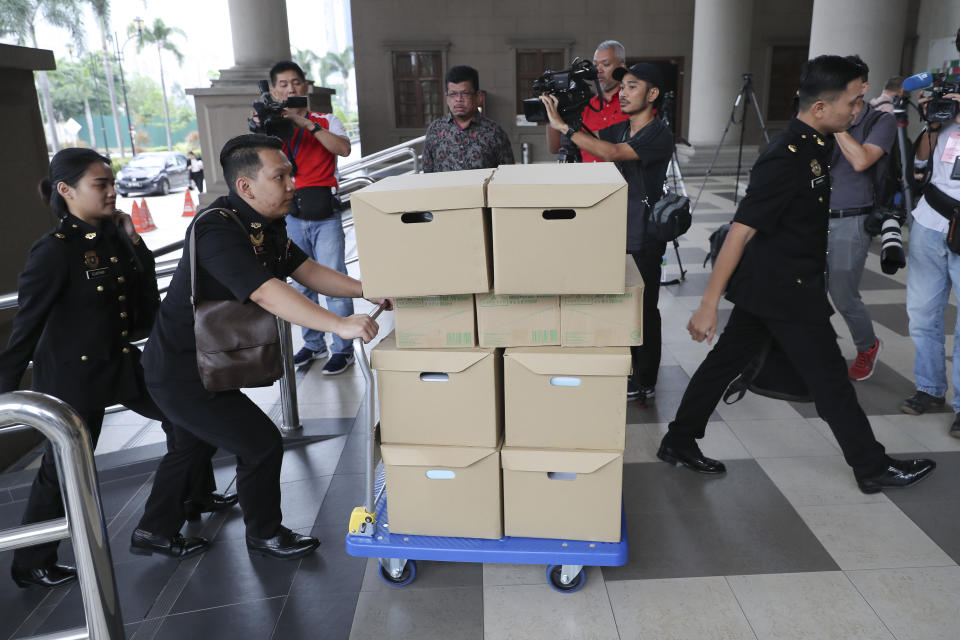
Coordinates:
column 441, row 474
column 559, row 214
column 561, row 475
column 564, row 381
column 416, row 216
column 432, row 376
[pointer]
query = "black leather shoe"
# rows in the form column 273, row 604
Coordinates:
column 955, row 427
column 145, row 544
column 55, row 576
column 286, row 545
column 690, row 457
column 193, row 509
column 899, row 473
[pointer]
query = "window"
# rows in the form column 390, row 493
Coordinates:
column 785, row 66
column 531, row 63
column 417, row 88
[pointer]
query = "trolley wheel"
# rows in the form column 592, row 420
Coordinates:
column 553, row 577
column 407, row 576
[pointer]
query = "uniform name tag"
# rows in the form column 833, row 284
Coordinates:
column 817, row 181
column 97, row 273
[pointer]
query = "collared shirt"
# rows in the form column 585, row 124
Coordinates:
column 781, row 273
column 851, row 188
column 608, row 113
column 483, row 144
column 923, row 213
column 316, row 165
column 230, row 266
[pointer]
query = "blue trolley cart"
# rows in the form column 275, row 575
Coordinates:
column 369, row 534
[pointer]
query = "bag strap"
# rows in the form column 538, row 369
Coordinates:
column 193, row 248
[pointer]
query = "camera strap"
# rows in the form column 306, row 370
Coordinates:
column 292, row 146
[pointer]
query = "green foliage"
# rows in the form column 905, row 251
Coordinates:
column 117, row 163
column 18, row 17
column 159, row 34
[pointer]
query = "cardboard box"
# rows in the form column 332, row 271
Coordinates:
column 435, row 322
column 517, row 321
column 606, row 319
column 558, row 228
column 570, row 495
column 560, row 398
column 424, row 234
column 439, row 396
column 443, row 491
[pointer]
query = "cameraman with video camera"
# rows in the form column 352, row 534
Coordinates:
column 314, row 224
column 603, row 109
column 933, row 264
column 641, row 147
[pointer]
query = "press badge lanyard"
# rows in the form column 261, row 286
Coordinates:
column 293, row 146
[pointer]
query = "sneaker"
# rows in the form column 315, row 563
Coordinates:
column 955, row 427
column 307, row 354
column 862, row 368
column 921, row 402
column 337, row 363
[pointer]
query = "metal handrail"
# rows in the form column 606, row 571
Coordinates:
column 73, row 455
column 378, row 157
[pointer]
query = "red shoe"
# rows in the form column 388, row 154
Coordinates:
column 862, row 368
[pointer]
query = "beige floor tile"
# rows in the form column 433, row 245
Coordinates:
column 931, row 430
column 894, row 437
column 345, row 409
column 780, row 438
column 754, row 407
column 424, row 614
column 499, row 575
column 872, row 536
column 661, row 609
column 535, row 612
column 816, row 481
column 718, row 442
column 806, row 606
column 920, row 604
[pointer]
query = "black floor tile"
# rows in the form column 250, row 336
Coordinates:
column 873, row 281
column 331, row 569
column 304, row 611
column 253, row 620
column 882, row 394
column 17, row 603
column 227, row 574
column 353, row 458
column 662, row 408
column 316, row 459
column 115, row 494
column 345, row 493
column 299, row 500
column 672, row 378
column 894, row 317
column 680, row 524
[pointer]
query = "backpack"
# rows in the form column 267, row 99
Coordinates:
column 886, row 172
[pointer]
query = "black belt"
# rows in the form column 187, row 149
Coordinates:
column 849, row 213
column 941, row 202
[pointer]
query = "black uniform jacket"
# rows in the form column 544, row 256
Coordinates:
column 781, row 275
column 230, row 266
column 84, row 294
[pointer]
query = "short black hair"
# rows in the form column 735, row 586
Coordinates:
column 463, row 73
column 864, row 69
column 285, row 65
column 824, row 78
column 240, row 156
column 894, row 83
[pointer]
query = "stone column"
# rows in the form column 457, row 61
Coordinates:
column 721, row 54
column 260, row 38
column 872, row 29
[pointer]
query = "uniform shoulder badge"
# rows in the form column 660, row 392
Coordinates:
column 256, row 239
column 90, row 236
column 59, row 236
column 793, row 148
column 816, row 168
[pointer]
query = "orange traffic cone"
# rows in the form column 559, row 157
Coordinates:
column 145, row 217
column 188, row 209
column 137, row 218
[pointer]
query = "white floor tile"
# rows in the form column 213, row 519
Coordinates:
column 816, row 481
column 780, row 438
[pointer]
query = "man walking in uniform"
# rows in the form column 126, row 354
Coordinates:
column 772, row 266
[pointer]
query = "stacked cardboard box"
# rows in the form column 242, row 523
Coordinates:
column 547, row 416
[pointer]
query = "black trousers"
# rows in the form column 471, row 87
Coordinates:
column 646, row 358
column 46, row 501
column 227, row 420
column 812, row 350
column 197, row 179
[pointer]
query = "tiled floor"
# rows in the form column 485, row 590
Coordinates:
column 784, row 546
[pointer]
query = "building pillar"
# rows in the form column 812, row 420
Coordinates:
column 721, row 54
column 260, row 38
column 872, row 29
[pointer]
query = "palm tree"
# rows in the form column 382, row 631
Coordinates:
column 160, row 34
column 341, row 64
column 309, row 60
column 19, row 18
column 101, row 9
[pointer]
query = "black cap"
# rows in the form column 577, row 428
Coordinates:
column 643, row 71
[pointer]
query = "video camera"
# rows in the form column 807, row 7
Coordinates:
column 571, row 88
column 939, row 109
column 270, row 113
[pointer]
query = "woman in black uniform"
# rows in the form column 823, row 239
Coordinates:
column 88, row 289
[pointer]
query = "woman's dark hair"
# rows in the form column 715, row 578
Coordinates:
column 68, row 165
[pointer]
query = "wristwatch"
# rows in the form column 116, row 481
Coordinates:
column 572, row 130
column 315, row 128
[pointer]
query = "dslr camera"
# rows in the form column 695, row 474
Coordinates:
column 571, row 88
column 270, row 113
column 941, row 109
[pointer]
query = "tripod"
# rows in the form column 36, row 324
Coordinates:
column 746, row 93
column 673, row 173
column 900, row 113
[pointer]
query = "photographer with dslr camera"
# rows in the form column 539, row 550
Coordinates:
column 603, row 109
column 641, row 147
column 933, row 264
column 314, row 224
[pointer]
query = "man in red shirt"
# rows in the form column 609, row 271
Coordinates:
column 314, row 224
column 604, row 110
